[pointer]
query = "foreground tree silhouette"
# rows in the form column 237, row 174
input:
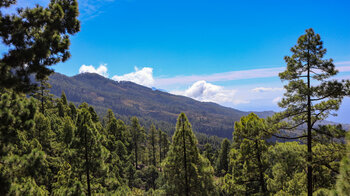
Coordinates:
column 310, row 94
column 36, row 37
column 186, row 171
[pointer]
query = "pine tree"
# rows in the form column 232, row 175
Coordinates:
column 248, row 157
column 163, row 143
column 310, row 94
column 209, row 153
column 73, row 113
column 108, row 118
column 64, row 99
column 42, row 94
column 152, row 142
column 186, row 171
column 222, row 161
column 86, row 144
column 68, row 131
column 62, row 105
column 37, row 38
column 42, row 131
column 137, row 135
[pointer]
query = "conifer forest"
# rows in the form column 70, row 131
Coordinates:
column 52, row 146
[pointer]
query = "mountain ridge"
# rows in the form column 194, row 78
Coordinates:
column 130, row 99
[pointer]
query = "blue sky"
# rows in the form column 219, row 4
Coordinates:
column 228, row 52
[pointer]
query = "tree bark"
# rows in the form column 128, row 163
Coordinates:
column 42, row 97
column 87, row 165
column 309, row 128
column 185, row 161
column 136, row 154
column 261, row 172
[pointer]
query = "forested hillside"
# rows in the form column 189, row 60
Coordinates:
column 130, row 99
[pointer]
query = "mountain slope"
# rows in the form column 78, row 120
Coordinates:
column 130, row 99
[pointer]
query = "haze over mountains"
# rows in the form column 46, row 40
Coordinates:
column 130, row 99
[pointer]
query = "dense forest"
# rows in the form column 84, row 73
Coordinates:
column 50, row 146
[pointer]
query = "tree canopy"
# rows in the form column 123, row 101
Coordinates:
column 36, row 38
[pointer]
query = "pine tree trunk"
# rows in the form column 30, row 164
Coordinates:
column 154, row 151
column 136, row 154
column 160, row 149
column 42, row 97
column 309, row 136
column 185, row 161
column 87, row 165
column 261, row 172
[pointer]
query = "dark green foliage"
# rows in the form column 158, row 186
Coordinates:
column 208, row 153
column 186, row 171
column 72, row 111
column 152, row 145
column 42, row 94
column 248, row 157
column 151, row 174
column 37, row 38
column 64, row 99
column 163, row 143
column 286, row 175
column 137, row 136
column 223, row 159
column 65, row 151
column 343, row 182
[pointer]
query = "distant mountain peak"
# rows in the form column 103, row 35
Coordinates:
column 131, row 99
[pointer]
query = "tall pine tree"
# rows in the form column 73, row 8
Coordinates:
column 186, row 171
column 310, row 94
column 138, row 136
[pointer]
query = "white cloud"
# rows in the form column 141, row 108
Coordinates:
column 101, row 70
column 342, row 63
column 204, row 91
column 343, row 68
column 142, row 76
column 234, row 75
column 266, row 89
column 276, row 100
column 225, row 76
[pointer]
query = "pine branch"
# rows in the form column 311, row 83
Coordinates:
column 289, row 138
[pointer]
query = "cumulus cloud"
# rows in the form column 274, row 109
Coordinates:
column 101, row 70
column 204, row 91
column 142, row 76
column 266, row 89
